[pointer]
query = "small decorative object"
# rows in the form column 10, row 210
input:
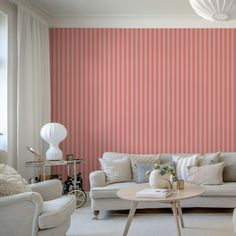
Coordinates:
column 162, row 176
column 70, row 157
column 53, row 133
column 215, row 10
column 39, row 156
column 180, row 184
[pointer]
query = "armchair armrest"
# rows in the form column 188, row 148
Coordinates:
column 49, row 189
column 19, row 214
column 97, row 179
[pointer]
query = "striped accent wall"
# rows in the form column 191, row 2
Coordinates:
column 143, row 91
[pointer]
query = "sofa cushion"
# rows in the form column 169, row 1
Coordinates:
column 141, row 172
column 207, row 174
column 110, row 190
column 225, row 190
column 56, row 211
column 229, row 173
column 209, row 159
column 142, row 159
column 116, row 170
column 167, row 157
column 182, row 163
column 114, row 155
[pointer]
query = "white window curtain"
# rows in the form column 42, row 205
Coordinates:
column 33, row 95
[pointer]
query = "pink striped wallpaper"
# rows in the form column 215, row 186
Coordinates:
column 143, row 90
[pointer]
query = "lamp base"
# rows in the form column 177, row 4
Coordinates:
column 54, row 154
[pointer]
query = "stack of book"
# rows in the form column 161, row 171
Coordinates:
column 154, row 193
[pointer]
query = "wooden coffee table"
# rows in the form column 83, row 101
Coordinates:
column 190, row 191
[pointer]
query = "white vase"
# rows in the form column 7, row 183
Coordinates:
column 156, row 180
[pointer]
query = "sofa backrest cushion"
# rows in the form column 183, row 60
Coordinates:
column 167, row 157
column 229, row 173
column 114, row 155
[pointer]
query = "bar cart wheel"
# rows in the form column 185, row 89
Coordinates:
column 80, row 195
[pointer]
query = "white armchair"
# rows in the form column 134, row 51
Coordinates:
column 42, row 212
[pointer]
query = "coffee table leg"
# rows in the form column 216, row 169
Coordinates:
column 180, row 213
column 175, row 213
column 130, row 217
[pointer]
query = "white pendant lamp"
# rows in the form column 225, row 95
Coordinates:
column 215, row 10
column 53, row 133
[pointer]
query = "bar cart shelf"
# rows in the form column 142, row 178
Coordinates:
column 75, row 185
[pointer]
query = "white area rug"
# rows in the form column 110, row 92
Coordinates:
column 198, row 222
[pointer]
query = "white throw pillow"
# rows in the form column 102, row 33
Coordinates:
column 7, row 170
column 11, row 182
column 182, row 163
column 208, row 174
column 116, row 170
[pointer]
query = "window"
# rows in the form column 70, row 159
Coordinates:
column 3, row 81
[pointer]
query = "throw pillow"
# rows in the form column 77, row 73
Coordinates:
column 116, row 170
column 141, row 172
column 229, row 173
column 209, row 159
column 7, row 170
column 12, row 184
column 182, row 163
column 208, row 174
column 142, row 159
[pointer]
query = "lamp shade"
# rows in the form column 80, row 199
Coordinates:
column 215, row 10
column 53, row 133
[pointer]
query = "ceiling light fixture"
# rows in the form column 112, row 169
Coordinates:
column 215, row 10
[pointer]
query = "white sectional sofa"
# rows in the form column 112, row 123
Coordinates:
column 104, row 197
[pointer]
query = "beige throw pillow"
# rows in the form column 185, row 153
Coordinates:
column 208, row 174
column 182, row 163
column 11, row 182
column 116, row 170
column 7, row 170
column 142, row 159
column 209, row 159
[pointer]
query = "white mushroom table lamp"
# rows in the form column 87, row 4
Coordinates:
column 53, row 133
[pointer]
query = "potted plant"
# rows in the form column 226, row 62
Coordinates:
column 162, row 176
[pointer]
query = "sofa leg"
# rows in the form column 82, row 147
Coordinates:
column 96, row 213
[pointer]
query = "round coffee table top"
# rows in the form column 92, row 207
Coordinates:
column 189, row 191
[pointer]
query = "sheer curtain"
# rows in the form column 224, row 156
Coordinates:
column 33, row 95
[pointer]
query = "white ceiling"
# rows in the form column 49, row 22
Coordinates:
column 123, row 14
column 115, row 7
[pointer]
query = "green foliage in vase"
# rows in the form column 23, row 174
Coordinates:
column 168, row 168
